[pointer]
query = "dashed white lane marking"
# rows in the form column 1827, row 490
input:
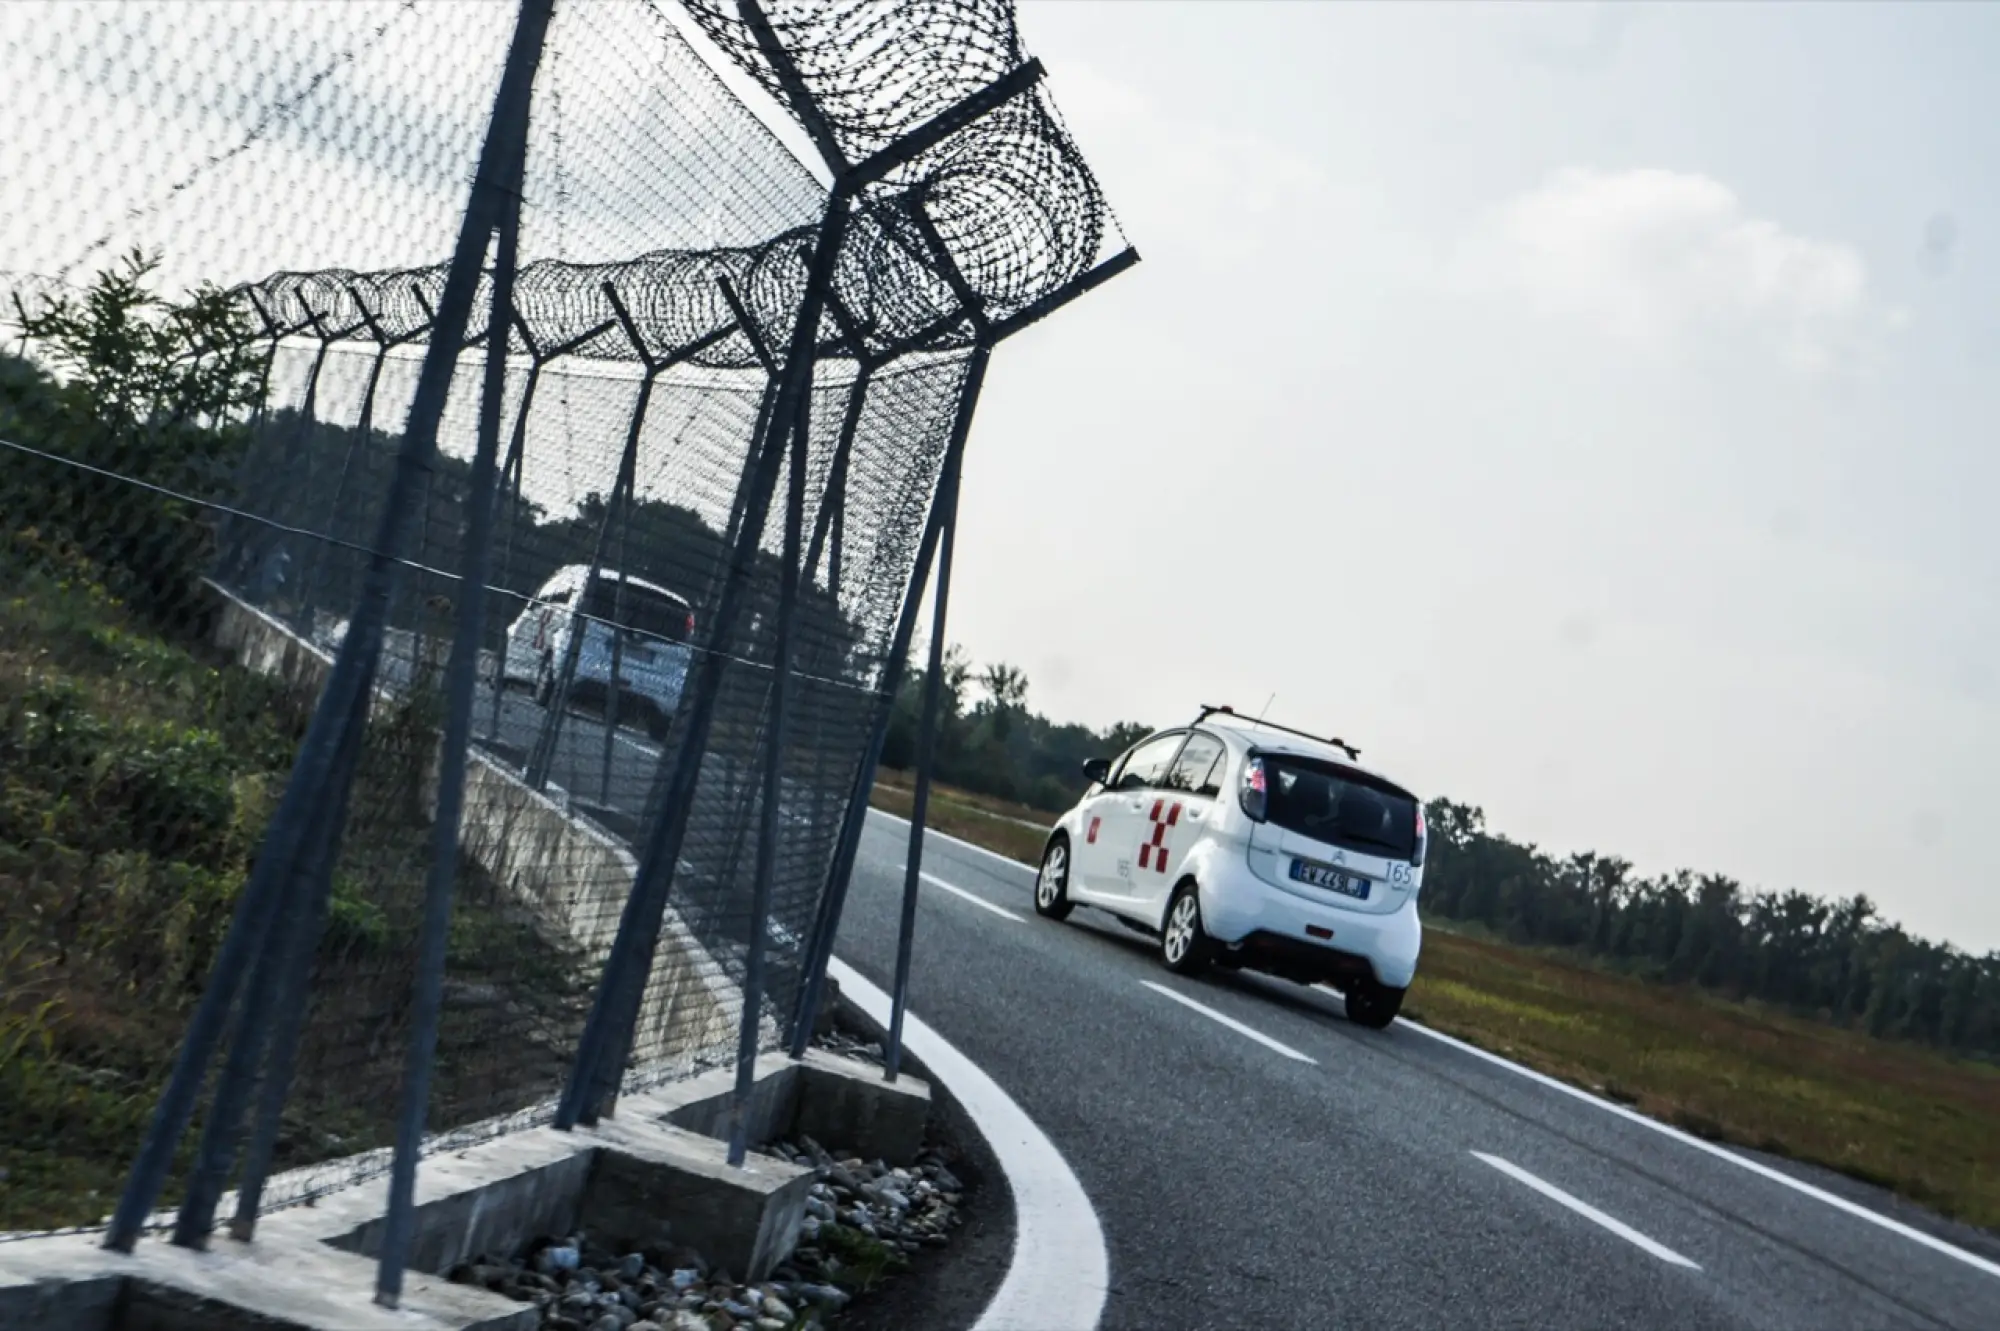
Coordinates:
column 973, row 897
column 1587, row 1211
column 1060, row 1272
column 1799, row 1186
column 1687, row 1139
column 1231, row 1023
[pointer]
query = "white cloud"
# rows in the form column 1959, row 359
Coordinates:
column 1658, row 257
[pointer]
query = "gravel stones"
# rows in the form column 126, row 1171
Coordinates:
column 851, row 1046
column 863, row 1220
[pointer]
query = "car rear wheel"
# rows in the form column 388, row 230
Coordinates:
column 1372, row 1005
column 1052, row 884
column 1184, row 945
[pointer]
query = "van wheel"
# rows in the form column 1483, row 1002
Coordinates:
column 658, row 723
column 1372, row 1004
column 1052, row 883
column 1185, row 946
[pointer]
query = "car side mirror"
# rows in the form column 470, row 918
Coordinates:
column 1096, row 769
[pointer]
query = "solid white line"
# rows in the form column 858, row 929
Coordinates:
column 948, row 837
column 1060, row 1272
column 1231, row 1023
column 1838, row 1203
column 1587, row 1211
column 1799, row 1186
column 974, row 898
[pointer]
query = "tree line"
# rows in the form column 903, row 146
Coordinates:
column 1839, row 961
column 163, row 392
column 990, row 742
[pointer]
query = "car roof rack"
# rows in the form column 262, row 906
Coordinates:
column 1209, row 710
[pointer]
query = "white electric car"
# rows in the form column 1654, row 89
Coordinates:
column 651, row 649
column 1245, row 844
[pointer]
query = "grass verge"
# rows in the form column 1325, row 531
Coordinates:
column 1895, row 1115
column 137, row 771
column 1013, row 830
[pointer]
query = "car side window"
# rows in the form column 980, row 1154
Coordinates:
column 1149, row 763
column 1195, row 770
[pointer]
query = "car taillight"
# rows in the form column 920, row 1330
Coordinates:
column 1253, row 791
column 1423, row 838
column 690, row 623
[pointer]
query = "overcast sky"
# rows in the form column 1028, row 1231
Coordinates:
column 1585, row 409
column 1588, row 410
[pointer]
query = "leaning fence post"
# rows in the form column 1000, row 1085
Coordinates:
column 294, row 996
column 767, row 831
column 461, row 682
column 926, row 759
column 353, row 667
column 510, row 487
column 833, row 898
column 621, row 989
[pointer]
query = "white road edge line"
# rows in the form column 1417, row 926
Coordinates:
column 973, row 897
column 1687, row 1139
column 1231, row 1023
column 1060, row 1272
column 1587, row 1211
column 1799, row 1186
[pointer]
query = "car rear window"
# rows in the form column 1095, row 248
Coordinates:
column 639, row 610
column 1340, row 806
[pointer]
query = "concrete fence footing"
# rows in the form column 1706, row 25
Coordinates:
column 652, row 1176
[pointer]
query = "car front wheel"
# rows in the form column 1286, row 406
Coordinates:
column 1052, row 884
column 1373, row 1005
column 1184, row 944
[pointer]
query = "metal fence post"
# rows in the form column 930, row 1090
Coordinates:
column 926, row 760
column 352, row 668
column 294, row 995
column 549, row 736
column 461, row 680
column 767, row 831
column 364, row 426
column 826, row 922
column 510, row 488
column 614, row 1012
column 620, row 497
column 830, row 521
column 833, row 899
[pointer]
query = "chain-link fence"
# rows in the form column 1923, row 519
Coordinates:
column 279, row 802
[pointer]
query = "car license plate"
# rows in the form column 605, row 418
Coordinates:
column 1332, row 879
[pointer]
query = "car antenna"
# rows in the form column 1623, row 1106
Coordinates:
column 1266, row 710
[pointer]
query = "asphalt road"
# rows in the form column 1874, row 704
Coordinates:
column 1291, row 1170
column 1255, row 1160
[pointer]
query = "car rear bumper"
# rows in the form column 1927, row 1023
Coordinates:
column 1261, row 925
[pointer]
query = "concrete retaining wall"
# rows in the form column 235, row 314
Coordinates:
column 571, row 874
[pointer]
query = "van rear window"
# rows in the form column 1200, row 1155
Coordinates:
column 1340, row 806
column 639, row 610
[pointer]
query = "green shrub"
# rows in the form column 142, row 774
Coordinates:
column 354, row 923
column 175, row 789
column 151, row 391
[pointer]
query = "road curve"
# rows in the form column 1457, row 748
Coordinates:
column 1254, row 1160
